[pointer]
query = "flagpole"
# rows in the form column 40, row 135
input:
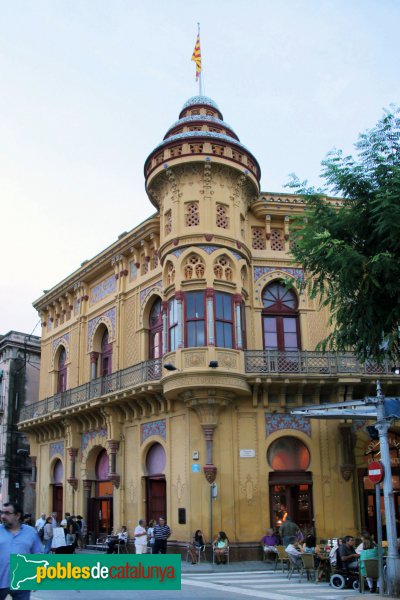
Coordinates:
column 200, row 77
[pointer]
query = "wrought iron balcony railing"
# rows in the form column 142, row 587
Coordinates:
column 149, row 370
column 307, row 362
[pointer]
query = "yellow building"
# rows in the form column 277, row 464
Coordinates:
column 171, row 361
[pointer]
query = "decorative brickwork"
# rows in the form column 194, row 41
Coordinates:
column 103, row 289
column 258, row 238
column 194, row 267
column 91, row 435
column 222, row 216
column 108, row 318
column 223, row 268
column 192, row 217
column 277, row 242
column 170, row 273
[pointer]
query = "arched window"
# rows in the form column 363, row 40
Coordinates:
column 156, row 460
column 288, row 453
column 106, row 355
column 155, row 330
column 280, row 318
column 62, row 371
column 101, row 468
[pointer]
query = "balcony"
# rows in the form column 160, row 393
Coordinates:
column 147, row 371
column 308, row 363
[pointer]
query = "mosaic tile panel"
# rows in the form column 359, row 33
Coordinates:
column 144, row 293
column 260, row 271
column 109, row 315
column 277, row 422
column 91, row 435
column 103, row 289
column 154, row 428
column 60, row 340
column 56, row 448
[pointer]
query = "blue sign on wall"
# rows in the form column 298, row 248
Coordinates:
column 195, row 468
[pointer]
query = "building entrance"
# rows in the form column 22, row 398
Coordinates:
column 156, row 498
column 291, row 494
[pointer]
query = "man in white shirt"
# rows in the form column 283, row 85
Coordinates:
column 293, row 551
column 140, row 536
column 40, row 522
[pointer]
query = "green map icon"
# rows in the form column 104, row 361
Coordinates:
column 24, row 570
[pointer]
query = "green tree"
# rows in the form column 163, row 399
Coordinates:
column 351, row 253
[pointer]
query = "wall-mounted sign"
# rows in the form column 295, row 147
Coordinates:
column 195, row 468
column 247, row 453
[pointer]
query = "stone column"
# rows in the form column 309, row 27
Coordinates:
column 93, row 364
column 164, row 308
column 237, row 299
column 210, row 317
column 72, row 480
column 87, row 488
column 113, row 446
column 179, row 301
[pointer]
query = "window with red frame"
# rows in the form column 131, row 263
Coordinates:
column 280, row 318
column 155, row 330
column 223, row 320
column 172, row 325
column 195, row 321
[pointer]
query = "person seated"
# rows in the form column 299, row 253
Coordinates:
column 198, row 543
column 364, row 536
column 220, row 545
column 347, row 558
column 270, row 541
column 368, row 551
column 121, row 538
column 293, row 550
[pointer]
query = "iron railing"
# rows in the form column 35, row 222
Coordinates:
column 149, row 370
column 307, row 362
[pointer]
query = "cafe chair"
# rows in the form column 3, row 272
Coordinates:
column 371, row 570
column 281, row 557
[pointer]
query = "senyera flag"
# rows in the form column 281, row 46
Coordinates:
column 196, row 56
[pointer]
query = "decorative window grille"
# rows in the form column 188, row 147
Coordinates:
column 175, row 151
column 222, row 216
column 277, row 240
column 237, row 156
column 192, row 217
column 195, row 112
column 168, row 222
column 223, row 269
column 258, row 238
column 194, row 267
column 196, row 148
column 216, row 148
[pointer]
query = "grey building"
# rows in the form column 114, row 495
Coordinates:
column 19, row 386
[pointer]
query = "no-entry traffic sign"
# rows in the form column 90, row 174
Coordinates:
column 375, row 471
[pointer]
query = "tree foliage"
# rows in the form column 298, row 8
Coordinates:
column 351, row 254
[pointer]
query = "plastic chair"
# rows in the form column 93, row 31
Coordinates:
column 293, row 566
column 371, row 570
column 308, row 566
column 281, row 557
column 200, row 551
column 224, row 554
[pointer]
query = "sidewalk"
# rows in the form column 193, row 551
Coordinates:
column 207, row 567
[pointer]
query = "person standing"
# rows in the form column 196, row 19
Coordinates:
column 48, row 533
column 140, row 536
column 15, row 538
column 150, row 535
column 161, row 534
column 288, row 530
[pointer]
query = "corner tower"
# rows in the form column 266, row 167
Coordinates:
column 202, row 180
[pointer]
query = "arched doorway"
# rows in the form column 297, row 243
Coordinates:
column 57, row 491
column 155, row 482
column 290, row 484
column 155, row 330
column 100, row 517
column 280, row 318
column 62, row 371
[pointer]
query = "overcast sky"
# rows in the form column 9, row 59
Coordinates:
column 89, row 87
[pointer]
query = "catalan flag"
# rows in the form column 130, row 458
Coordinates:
column 196, row 56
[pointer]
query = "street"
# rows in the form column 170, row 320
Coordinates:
column 268, row 585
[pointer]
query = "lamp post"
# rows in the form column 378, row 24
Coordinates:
column 393, row 560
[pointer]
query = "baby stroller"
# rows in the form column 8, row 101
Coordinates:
column 342, row 577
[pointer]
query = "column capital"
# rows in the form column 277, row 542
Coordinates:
column 113, row 446
column 210, row 473
column 73, row 453
column 94, row 357
column 210, row 293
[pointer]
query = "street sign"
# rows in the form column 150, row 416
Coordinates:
column 375, row 471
